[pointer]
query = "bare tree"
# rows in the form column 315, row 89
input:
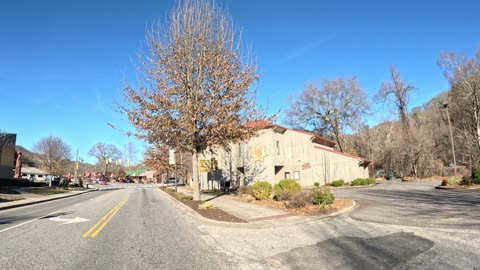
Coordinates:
column 104, row 153
column 463, row 74
column 397, row 92
column 337, row 106
column 195, row 84
column 130, row 153
column 53, row 154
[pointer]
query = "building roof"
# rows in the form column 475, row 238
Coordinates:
column 32, row 170
column 363, row 160
column 268, row 124
column 135, row 172
column 148, row 174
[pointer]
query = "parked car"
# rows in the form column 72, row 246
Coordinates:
column 122, row 180
column 55, row 180
column 103, row 180
column 172, row 180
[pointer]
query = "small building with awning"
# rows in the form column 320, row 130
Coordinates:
column 136, row 175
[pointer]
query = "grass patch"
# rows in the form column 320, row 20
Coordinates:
column 46, row 191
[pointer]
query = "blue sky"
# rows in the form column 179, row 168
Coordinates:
column 62, row 63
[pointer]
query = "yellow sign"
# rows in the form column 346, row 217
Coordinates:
column 205, row 165
column 259, row 152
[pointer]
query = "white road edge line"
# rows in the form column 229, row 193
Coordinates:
column 21, row 224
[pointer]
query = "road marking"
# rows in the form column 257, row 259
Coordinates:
column 18, row 225
column 77, row 204
column 105, row 219
column 68, row 220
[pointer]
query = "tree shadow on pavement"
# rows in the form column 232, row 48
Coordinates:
column 345, row 252
column 13, row 219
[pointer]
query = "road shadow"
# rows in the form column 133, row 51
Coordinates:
column 220, row 195
column 385, row 252
column 14, row 219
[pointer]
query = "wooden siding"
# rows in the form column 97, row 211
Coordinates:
column 295, row 153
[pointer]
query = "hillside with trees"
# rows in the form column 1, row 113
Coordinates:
column 419, row 143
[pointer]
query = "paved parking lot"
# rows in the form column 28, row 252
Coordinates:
column 415, row 204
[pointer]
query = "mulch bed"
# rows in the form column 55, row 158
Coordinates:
column 309, row 210
column 212, row 213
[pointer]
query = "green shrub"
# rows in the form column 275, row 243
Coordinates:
column 261, row 190
column 317, row 184
column 338, row 183
column 322, row 196
column 358, row 182
column 299, row 199
column 287, row 185
column 476, row 175
column 363, row 181
column 453, row 181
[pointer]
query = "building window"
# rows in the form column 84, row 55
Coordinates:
column 278, row 147
column 287, row 175
column 239, row 150
column 296, row 175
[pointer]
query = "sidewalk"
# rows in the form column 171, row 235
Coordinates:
column 30, row 198
column 247, row 211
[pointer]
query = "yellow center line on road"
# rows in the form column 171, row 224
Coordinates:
column 105, row 219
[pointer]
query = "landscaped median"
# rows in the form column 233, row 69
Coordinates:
column 205, row 209
column 288, row 196
column 462, row 182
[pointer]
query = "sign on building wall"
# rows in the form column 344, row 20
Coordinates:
column 259, row 152
column 7, row 154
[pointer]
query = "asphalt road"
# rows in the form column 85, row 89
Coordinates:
column 396, row 226
column 126, row 228
column 415, row 204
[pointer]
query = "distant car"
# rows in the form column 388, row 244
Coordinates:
column 172, row 180
column 55, row 179
column 122, row 180
column 102, row 180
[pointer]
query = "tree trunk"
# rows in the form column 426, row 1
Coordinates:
column 196, row 178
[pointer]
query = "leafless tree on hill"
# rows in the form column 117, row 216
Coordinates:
column 105, row 153
column 53, row 154
column 331, row 109
column 463, row 74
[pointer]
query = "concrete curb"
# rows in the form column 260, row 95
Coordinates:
column 20, row 204
column 287, row 221
column 458, row 188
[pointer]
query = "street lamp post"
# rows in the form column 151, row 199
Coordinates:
column 446, row 105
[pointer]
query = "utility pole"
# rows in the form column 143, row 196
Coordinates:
column 445, row 105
